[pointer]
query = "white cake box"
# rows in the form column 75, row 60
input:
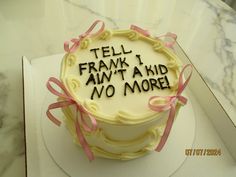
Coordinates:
column 222, row 122
column 40, row 162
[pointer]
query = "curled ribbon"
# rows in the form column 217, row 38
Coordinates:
column 170, row 35
column 170, row 104
column 147, row 34
column 76, row 42
column 68, row 100
column 140, row 30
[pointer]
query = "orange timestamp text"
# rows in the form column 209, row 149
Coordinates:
column 203, row 152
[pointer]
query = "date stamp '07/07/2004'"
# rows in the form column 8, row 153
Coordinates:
column 202, row 152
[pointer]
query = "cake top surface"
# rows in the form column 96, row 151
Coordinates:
column 114, row 73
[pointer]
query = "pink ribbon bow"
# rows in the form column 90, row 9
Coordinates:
column 147, row 34
column 170, row 104
column 68, row 100
column 76, row 42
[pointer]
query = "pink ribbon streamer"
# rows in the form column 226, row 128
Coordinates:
column 147, row 34
column 170, row 104
column 76, row 42
column 68, row 100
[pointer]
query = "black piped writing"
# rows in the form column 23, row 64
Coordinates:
column 149, row 70
column 112, row 62
column 95, row 91
column 160, row 80
column 153, row 83
column 81, row 68
column 131, row 88
column 167, row 82
column 125, row 52
column 105, row 76
column 123, row 62
column 105, row 51
column 95, row 52
column 136, row 72
column 162, row 83
column 146, row 85
column 139, row 59
column 102, row 65
column 91, row 67
column 121, row 71
column 91, row 79
column 110, row 90
column 100, row 78
column 163, row 69
column 114, row 52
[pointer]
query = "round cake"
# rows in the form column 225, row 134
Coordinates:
column 122, row 92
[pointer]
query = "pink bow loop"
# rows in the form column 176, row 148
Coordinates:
column 160, row 103
column 89, row 32
column 170, row 35
column 68, row 100
column 165, row 103
column 140, row 30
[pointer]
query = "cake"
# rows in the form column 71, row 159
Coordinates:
column 120, row 92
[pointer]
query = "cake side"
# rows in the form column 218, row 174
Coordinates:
column 121, row 142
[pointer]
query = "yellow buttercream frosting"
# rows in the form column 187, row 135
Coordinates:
column 113, row 75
